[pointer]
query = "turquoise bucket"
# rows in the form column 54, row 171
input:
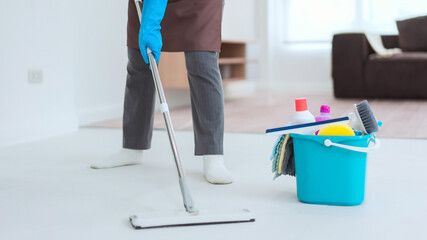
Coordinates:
column 331, row 170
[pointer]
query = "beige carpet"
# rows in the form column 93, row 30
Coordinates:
column 256, row 113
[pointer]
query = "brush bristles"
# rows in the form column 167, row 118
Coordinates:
column 367, row 116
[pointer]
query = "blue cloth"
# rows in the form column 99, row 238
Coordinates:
column 288, row 166
column 149, row 33
column 288, row 159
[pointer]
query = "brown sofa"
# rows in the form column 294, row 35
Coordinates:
column 358, row 72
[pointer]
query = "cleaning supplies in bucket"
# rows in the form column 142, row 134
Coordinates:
column 303, row 122
column 362, row 119
column 331, row 175
column 329, row 167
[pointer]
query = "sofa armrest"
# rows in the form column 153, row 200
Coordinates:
column 350, row 51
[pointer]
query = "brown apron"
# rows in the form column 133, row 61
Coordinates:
column 188, row 25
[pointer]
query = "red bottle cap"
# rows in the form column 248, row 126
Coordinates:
column 300, row 104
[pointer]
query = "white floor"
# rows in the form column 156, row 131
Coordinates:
column 48, row 191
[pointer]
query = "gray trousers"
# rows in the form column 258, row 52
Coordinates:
column 207, row 102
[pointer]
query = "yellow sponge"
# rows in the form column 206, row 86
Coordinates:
column 337, row 130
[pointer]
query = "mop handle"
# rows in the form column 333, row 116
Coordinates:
column 188, row 200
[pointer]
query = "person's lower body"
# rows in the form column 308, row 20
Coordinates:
column 207, row 103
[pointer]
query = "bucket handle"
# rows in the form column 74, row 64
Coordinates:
column 376, row 145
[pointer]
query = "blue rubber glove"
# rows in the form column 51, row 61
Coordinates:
column 149, row 33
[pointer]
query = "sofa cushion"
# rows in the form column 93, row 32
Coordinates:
column 413, row 34
column 401, row 57
column 401, row 76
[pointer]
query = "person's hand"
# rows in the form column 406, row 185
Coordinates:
column 149, row 33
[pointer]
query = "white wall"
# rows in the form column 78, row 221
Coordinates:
column 280, row 66
column 100, row 58
column 289, row 67
column 239, row 24
column 27, row 111
column 239, row 20
column 303, row 68
column 81, row 48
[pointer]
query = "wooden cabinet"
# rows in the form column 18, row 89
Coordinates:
column 232, row 61
column 232, row 64
column 172, row 70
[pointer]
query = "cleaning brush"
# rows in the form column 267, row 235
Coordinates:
column 363, row 118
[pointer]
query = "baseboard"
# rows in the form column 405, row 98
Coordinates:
column 37, row 130
column 92, row 115
column 321, row 87
column 175, row 99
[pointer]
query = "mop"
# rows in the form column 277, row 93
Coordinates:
column 191, row 215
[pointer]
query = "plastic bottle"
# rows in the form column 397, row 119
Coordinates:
column 302, row 115
column 324, row 113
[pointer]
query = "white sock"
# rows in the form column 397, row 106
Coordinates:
column 123, row 157
column 215, row 170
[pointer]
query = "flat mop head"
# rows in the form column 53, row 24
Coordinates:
column 183, row 218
